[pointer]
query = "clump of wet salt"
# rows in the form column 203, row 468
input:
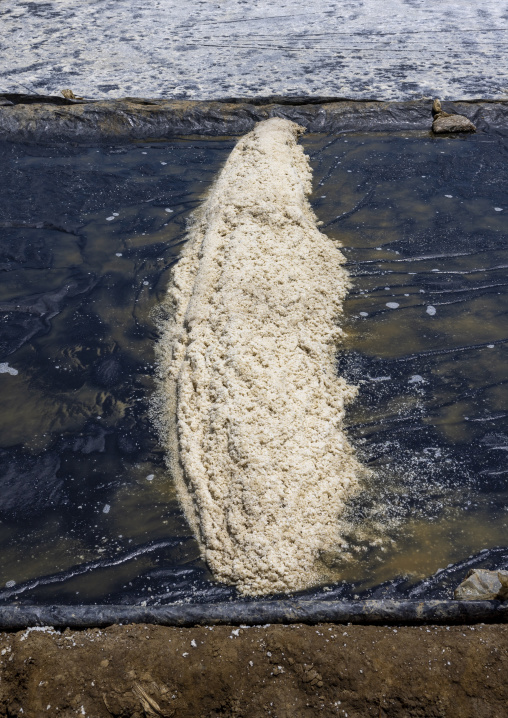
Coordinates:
column 246, row 363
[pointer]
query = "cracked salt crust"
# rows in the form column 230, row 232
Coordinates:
column 247, row 363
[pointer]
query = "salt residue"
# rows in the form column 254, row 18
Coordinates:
column 247, row 365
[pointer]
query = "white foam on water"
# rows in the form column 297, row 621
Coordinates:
column 249, row 405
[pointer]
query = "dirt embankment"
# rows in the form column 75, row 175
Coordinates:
column 279, row 671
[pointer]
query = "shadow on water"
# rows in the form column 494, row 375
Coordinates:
column 88, row 236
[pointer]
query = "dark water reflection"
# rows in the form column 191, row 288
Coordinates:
column 88, row 236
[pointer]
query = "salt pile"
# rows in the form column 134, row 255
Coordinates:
column 249, row 405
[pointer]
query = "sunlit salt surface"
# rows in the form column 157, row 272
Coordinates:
column 88, row 236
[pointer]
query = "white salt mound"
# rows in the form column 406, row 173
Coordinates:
column 246, row 363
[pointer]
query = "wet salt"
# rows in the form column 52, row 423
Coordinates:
column 256, row 383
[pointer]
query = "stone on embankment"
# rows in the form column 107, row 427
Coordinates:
column 483, row 585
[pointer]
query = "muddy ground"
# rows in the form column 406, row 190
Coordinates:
column 279, row 671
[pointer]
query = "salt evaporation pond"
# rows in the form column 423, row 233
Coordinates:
column 87, row 511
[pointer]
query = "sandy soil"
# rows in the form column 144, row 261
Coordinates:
column 280, row 671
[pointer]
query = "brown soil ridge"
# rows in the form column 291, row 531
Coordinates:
column 140, row 671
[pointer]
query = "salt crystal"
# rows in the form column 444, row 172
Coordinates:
column 416, row 379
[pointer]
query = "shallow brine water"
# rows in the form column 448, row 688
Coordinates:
column 88, row 234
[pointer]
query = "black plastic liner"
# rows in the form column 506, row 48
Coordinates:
column 89, row 233
column 41, row 119
column 261, row 613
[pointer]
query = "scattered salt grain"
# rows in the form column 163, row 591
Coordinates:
column 364, row 314
column 166, row 209
column 392, row 305
column 498, row 209
column 6, row 369
column 431, row 310
column 163, row 163
column 118, row 254
column 10, row 584
column 194, row 644
column 490, row 346
column 450, row 196
column 150, row 477
column 106, row 509
column 110, row 219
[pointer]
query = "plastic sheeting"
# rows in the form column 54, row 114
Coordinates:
column 43, row 119
column 258, row 613
column 88, row 235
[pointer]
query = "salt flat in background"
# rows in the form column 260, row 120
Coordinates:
column 395, row 49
